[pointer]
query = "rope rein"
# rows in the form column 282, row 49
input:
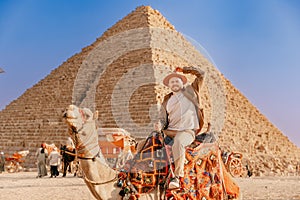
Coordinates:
column 101, row 183
column 80, row 157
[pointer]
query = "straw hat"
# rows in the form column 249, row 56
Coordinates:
column 174, row 74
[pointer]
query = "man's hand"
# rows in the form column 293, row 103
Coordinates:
column 178, row 69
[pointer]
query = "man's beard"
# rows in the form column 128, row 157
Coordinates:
column 175, row 88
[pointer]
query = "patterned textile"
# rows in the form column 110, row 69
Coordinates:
column 150, row 166
column 204, row 172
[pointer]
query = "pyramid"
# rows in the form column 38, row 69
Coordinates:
column 120, row 75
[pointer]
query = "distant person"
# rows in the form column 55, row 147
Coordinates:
column 42, row 155
column 249, row 172
column 70, row 147
column 54, row 161
column 2, row 162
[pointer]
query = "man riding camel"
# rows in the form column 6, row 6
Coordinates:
column 181, row 116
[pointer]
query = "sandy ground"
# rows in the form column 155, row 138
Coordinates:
column 25, row 185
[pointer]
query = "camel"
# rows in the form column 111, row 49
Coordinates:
column 98, row 176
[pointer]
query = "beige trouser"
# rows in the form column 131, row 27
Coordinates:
column 181, row 140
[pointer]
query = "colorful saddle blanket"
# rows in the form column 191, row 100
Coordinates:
column 149, row 167
column 202, row 174
column 205, row 175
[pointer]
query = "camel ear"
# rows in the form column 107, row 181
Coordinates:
column 96, row 115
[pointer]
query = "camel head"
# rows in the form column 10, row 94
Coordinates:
column 76, row 117
column 82, row 129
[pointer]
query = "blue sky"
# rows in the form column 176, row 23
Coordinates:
column 254, row 43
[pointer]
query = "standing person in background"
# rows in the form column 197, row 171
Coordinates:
column 42, row 155
column 70, row 147
column 2, row 162
column 54, row 161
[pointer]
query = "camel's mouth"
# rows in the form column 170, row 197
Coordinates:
column 70, row 120
column 71, row 113
column 68, row 116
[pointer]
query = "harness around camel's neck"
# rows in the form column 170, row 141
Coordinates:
column 86, row 143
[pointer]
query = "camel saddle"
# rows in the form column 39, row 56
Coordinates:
column 205, row 176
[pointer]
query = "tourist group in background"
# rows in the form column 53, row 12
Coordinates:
column 49, row 155
column 44, row 157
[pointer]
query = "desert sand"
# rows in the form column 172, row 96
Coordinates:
column 25, row 185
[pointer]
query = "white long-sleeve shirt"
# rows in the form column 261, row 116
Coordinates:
column 54, row 158
column 182, row 113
